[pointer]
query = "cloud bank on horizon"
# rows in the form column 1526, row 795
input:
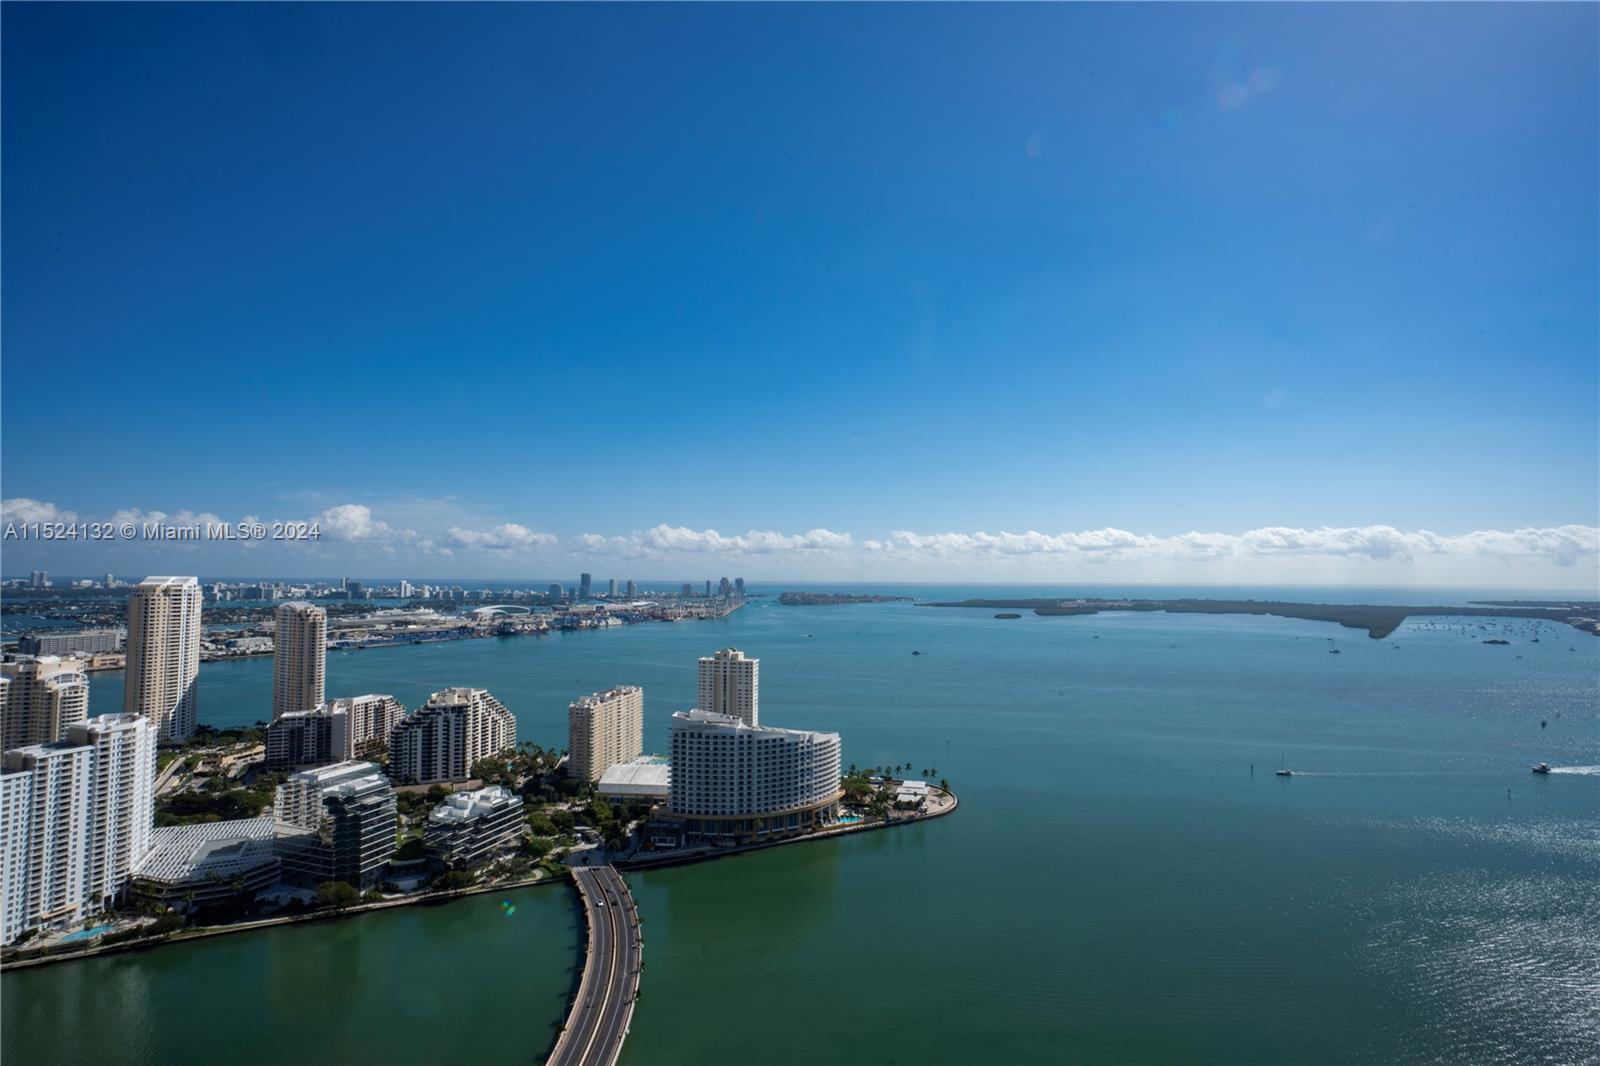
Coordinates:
column 352, row 536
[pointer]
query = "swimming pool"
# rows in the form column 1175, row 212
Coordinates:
column 85, row 934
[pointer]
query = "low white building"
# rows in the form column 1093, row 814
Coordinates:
column 911, row 794
column 468, row 828
column 647, row 779
column 208, row 862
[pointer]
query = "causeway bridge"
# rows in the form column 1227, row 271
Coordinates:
column 598, row 1020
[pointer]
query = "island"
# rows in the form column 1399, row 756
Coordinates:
column 1379, row 620
column 1008, row 615
column 831, row 599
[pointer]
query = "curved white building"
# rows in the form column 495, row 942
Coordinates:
column 733, row 779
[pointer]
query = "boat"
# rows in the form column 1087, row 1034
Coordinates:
column 1286, row 772
column 1542, row 768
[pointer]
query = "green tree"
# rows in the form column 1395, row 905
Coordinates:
column 454, row 879
column 337, row 894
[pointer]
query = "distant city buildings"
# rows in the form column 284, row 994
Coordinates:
column 335, row 823
column 583, row 587
column 633, row 589
column 611, row 589
column 75, row 819
column 164, row 655
column 730, row 684
column 555, row 592
column 40, row 697
column 732, row 779
column 453, row 730
column 604, row 729
column 724, row 588
column 738, row 585
column 81, row 642
column 299, row 657
column 468, row 828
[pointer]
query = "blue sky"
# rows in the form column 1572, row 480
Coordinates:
column 528, row 273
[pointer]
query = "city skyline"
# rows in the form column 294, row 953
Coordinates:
column 1079, row 293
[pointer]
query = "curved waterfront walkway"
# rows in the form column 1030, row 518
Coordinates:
column 598, row 1021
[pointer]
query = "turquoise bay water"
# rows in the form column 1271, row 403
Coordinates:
column 1116, row 887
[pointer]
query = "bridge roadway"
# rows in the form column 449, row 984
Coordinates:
column 598, row 1020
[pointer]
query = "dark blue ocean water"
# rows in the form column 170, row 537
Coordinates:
column 1117, row 885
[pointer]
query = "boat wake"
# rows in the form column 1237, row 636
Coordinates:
column 1586, row 771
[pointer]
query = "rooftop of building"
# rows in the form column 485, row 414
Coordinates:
column 710, row 720
column 725, row 653
column 466, row 806
column 607, row 695
column 645, row 772
column 337, row 773
column 192, row 852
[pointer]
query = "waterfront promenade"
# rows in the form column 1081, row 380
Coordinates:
column 600, row 1013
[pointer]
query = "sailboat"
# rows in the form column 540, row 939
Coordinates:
column 1282, row 770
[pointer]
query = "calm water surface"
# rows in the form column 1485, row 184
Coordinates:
column 1117, row 886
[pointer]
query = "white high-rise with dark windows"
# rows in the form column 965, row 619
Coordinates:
column 731, row 684
column 76, row 817
column 730, row 778
column 164, row 655
column 446, row 735
column 299, row 657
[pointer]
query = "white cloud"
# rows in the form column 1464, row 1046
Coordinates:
column 1561, row 545
column 23, row 510
column 353, row 521
column 1568, row 555
column 506, row 537
column 670, row 539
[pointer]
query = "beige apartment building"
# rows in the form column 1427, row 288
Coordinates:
column 164, row 655
column 299, row 658
column 730, row 684
column 41, row 697
column 603, row 730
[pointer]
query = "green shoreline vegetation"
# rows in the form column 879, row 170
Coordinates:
column 1379, row 620
column 832, row 599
